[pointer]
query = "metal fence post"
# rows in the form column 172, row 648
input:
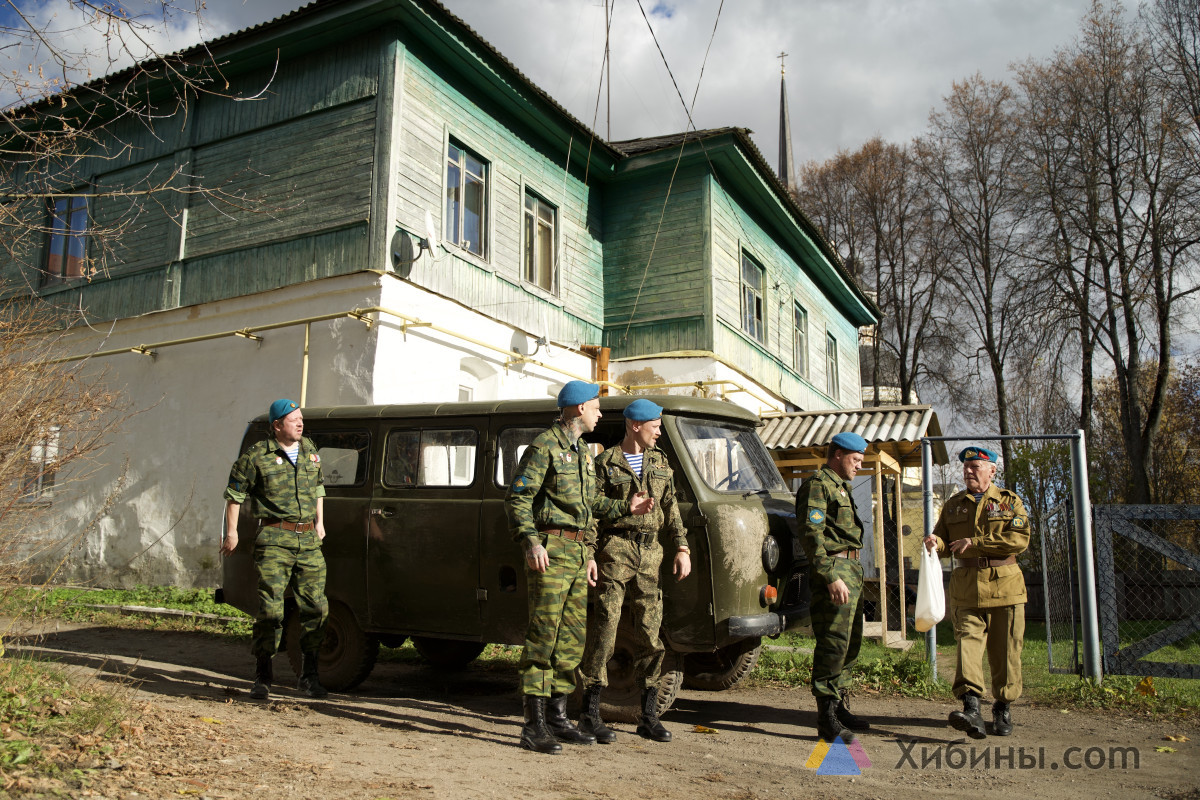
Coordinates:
column 927, row 500
column 1092, row 666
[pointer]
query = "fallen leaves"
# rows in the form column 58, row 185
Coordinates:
column 704, row 729
column 1146, row 688
column 1175, row 738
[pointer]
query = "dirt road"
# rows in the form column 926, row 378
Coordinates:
column 417, row 732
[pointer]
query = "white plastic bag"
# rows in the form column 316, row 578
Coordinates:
column 931, row 596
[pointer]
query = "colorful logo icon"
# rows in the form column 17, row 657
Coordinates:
column 838, row 758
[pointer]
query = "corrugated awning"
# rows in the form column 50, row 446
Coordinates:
column 893, row 429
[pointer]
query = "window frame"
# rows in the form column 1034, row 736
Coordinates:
column 75, row 203
column 833, row 381
column 418, row 468
column 759, row 295
column 800, row 339
column 529, row 242
column 455, row 238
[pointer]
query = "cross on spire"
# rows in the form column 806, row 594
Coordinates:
column 782, row 55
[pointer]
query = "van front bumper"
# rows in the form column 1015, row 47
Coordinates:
column 771, row 623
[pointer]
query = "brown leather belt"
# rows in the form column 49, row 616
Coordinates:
column 984, row 562
column 643, row 538
column 297, row 527
column 566, row 533
column 851, row 554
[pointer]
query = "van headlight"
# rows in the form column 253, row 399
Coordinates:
column 770, row 554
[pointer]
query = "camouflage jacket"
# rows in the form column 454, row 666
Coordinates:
column 618, row 481
column 828, row 521
column 998, row 527
column 555, row 486
column 275, row 487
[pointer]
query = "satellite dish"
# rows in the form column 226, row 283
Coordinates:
column 431, row 238
column 403, row 254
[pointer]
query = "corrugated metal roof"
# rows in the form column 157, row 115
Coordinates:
column 893, row 424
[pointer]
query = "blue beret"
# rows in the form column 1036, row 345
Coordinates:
column 643, row 410
column 575, row 393
column 850, row 441
column 280, row 409
column 974, row 453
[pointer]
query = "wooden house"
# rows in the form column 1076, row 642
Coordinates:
column 673, row 264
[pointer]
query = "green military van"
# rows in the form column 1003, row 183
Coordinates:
column 417, row 542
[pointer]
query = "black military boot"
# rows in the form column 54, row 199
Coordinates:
column 650, row 727
column 535, row 735
column 563, row 729
column 829, row 727
column 309, row 683
column 1001, row 719
column 847, row 717
column 264, row 676
column 969, row 720
column 589, row 717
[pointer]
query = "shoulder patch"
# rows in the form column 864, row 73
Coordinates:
column 518, row 485
column 1018, row 522
column 816, row 516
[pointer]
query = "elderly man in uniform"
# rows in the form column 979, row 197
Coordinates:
column 831, row 534
column 629, row 556
column 552, row 505
column 281, row 476
column 985, row 528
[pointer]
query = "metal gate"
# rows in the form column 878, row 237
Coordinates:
column 1060, row 582
column 1148, row 581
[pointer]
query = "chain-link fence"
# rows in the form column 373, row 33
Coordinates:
column 1148, row 581
column 1060, row 583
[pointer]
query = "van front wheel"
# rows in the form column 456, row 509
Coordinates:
column 723, row 669
column 347, row 654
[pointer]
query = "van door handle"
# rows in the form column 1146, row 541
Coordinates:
column 383, row 512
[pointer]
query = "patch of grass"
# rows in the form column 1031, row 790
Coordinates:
column 72, row 604
column 55, row 731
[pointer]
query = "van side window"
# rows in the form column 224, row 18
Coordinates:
column 430, row 458
column 343, row 456
column 510, row 447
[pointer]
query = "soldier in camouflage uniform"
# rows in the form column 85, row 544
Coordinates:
column 831, row 534
column 281, row 477
column 985, row 528
column 552, row 505
column 629, row 557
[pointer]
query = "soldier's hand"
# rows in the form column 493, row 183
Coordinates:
column 320, row 531
column 959, row 545
column 931, row 543
column 537, row 558
column 593, row 573
column 683, row 565
column 839, row 593
column 230, row 544
column 641, row 504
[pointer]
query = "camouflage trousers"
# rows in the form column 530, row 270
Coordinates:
column 627, row 571
column 837, row 629
column 286, row 559
column 557, row 620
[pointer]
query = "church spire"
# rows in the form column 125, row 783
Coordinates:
column 787, row 169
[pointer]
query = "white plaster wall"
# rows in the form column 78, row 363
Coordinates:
column 678, row 369
column 192, row 403
column 425, row 365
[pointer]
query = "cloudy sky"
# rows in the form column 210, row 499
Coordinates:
column 856, row 68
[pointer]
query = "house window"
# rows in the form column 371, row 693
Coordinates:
column 800, row 340
column 37, row 479
column 66, row 251
column 752, row 299
column 541, row 262
column 466, row 199
column 831, row 366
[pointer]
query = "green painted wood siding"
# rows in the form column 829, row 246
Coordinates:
column 435, row 104
column 786, row 282
column 656, row 304
column 304, row 176
column 302, row 155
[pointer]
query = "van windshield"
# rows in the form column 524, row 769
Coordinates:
column 730, row 458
